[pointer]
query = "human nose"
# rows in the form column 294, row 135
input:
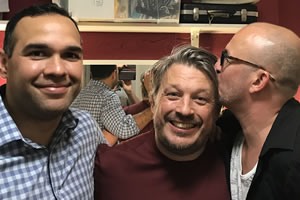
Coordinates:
column 218, row 66
column 185, row 107
column 55, row 66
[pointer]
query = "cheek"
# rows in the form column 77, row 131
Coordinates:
column 208, row 114
column 75, row 71
column 167, row 105
column 22, row 69
column 162, row 107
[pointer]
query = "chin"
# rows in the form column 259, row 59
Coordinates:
column 180, row 145
column 54, row 109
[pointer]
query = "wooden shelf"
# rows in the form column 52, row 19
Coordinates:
column 127, row 62
column 194, row 29
column 151, row 28
column 158, row 28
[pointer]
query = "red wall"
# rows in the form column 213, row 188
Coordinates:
column 16, row 5
column 151, row 46
column 289, row 16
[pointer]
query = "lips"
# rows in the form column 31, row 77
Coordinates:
column 53, row 88
column 53, row 85
column 183, row 125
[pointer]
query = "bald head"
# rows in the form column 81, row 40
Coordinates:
column 274, row 47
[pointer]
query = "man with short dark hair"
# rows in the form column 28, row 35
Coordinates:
column 47, row 150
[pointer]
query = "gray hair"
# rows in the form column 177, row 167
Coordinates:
column 188, row 55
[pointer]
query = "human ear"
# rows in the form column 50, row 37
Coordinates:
column 114, row 75
column 261, row 79
column 3, row 64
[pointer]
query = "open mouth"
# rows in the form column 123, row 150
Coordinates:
column 183, row 125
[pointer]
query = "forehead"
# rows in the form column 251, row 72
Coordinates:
column 44, row 27
column 187, row 78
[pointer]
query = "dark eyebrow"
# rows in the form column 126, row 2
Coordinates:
column 74, row 49
column 35, row 46
column 45, row 46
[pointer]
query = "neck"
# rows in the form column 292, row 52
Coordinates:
column 37, row 130
column 256, row 121
column 41, row 134
column 108, row 82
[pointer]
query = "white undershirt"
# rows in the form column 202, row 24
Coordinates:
column 239, row 183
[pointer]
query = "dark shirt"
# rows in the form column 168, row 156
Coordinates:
column 136, row 169
column 278, row 171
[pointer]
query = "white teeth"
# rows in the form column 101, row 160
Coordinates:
column 183, row 125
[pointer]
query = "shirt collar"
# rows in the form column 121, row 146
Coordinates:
column 9, row 131
column 284, row 130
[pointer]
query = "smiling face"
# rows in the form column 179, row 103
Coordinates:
column 44, row 72
column 184, row 112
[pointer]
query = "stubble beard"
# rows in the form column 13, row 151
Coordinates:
column 178, row 149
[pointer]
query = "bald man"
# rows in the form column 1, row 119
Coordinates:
column 259, row 74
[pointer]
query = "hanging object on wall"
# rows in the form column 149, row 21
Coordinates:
column 218, row 13
column 3, row 7
column 154, row 11
column 225, row 1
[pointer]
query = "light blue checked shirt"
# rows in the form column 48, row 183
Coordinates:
column 64, row 170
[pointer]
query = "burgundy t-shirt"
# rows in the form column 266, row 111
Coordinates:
column 136, row 170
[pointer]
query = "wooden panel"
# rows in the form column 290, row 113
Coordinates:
column 130, row 46
column 143, row 46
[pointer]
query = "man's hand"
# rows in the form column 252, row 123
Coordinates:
column 127, row 86
column 147, row 81
column 110, row 138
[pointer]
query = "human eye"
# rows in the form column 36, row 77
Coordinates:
column 36, row 54
column 72, row 56
column 201, row 100
column 173, row 95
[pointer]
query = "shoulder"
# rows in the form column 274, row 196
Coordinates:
column 132, row 149
column 84, row 120
column 130, row 145
column 84, row 127
column 81, row 114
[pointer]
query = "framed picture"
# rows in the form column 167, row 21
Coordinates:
column 148, row 10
